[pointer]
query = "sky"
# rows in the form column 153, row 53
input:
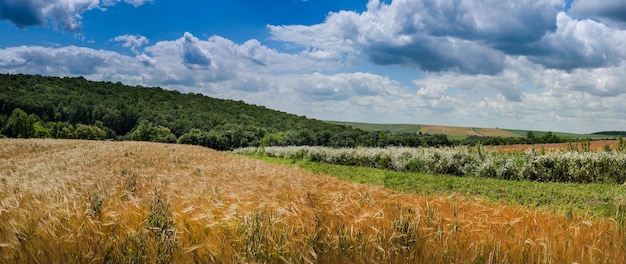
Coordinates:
column 550, row 65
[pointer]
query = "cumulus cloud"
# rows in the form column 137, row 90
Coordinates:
column 193, row 53
column 186, row 61
column 64, row 61
column 435, row 91
column 468, row 37
column 599, row 82
column 356, row 95
column 146, row 60
column 524, row 94
column 132, row 41
column 580, row 44
column 233, row 57
column 547, row 110
column 21, row 13
column 316, row 87
column 522, row 80
column 609, row 11
column 518, row 73
column 137, row 3
column 341, row 86
column 431, row 35
column 64, row 14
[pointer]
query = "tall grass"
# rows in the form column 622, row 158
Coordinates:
column 78, row 202
column 555, row 166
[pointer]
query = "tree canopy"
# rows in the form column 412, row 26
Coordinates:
column 54, row 107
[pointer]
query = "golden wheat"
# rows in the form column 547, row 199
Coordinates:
column 88, row 201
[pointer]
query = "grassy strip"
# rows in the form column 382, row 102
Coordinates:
column 605, row 200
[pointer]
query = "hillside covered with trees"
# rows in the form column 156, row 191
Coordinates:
column 53, row 107
column 34, row 106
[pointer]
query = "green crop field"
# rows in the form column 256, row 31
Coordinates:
column 392, row 128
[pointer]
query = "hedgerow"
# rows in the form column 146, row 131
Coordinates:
column 557, row 166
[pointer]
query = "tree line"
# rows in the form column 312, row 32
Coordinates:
column 34, row 106
column 54, row 107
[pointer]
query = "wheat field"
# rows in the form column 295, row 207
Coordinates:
column 137, row 202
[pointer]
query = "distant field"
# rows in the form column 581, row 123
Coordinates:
column 393, row 128
column 455, row 132
column 523, row 133
column 495, row 132
column 448, row 130
column 461, row 132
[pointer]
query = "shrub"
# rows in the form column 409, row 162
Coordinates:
column 558, row 166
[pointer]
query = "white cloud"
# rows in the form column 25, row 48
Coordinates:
column 193, row 53
column 69, row 60
column 345, row 96
column 132, row 41
column 138, row 2
column 524, row 93
column 434, row 91
column 612, row 12
column 181, row 63
column 132, row 2
column 528, row 95
column 580, row 44
column 518, row 73
column 64, row 14
column 431, row 35
column 473, row 37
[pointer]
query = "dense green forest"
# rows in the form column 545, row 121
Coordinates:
column 53, row 107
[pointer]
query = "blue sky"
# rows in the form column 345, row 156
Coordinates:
column 523, row 64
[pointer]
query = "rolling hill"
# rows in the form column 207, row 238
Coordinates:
column 81, row 109
column 457, row 132
column 75, row 108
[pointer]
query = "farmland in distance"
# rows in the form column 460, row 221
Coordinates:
column 456, row 132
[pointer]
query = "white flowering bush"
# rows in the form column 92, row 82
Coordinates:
column 560, row 166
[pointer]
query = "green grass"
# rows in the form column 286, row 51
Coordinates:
column 586, row 199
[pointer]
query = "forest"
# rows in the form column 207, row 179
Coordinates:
column 34, row 106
